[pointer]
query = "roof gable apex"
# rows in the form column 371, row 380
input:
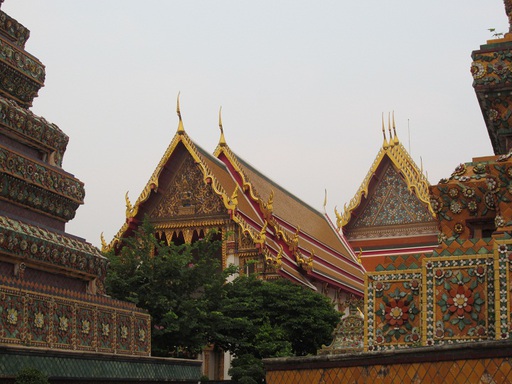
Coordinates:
column 394, row 152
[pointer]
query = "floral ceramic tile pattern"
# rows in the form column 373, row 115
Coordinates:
column 459, row 298
column 393, row 307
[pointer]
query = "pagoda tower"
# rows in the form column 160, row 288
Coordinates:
column 54, row 314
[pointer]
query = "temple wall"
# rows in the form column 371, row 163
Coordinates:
column 35, row 319
column 483, row 362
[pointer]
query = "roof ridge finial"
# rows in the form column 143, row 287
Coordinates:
column 325, row 200
column 181, row 129
column 222, row 139
column 385, row 144
column 389, row 129
column 395, row 139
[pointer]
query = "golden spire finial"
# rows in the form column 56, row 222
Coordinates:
column 385, row 144
column 395, row 138
column 389, row 129
column 129, row 206
column 222, row 140
column 181, row 129
column 325, row 200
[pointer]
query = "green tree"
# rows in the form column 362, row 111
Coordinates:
column 271, row 319
column 180, row 287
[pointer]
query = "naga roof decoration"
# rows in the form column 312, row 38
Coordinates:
column 392, row 149
column 314, row 246
column 312, row 251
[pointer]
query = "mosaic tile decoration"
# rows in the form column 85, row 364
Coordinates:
column 392, row 203
column 459, row 299
column 503, row 266
column 393, row 306
column 37, row 320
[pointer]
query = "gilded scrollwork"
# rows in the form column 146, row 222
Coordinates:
column 188, row 194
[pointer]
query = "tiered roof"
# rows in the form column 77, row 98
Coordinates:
column 298, row 241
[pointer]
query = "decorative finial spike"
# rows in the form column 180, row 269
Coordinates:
column 222, row 140
column 385, row 144
column 181, row 129
column 389, row 129
column 395, row 138
column 325, row 200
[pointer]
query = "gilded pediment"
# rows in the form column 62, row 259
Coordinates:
column 188, row 195
column 392, row 203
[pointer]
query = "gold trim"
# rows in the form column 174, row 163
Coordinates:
column 416, row 181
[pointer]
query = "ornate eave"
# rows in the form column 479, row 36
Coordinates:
column 38, row 246
column 152, row 185
column 416, row 181
column 266, row 209
column 13, row 30
column 22, row 74
column 230, row 201
column 24, row 126
column 298, row 249
column 42, row 175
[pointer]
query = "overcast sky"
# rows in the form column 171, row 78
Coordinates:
column 302, row 85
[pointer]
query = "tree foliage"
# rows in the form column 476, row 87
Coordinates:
column 180, row 286
column 276, row 318
column 192, row 304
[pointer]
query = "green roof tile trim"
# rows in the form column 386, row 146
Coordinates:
column 81, row 366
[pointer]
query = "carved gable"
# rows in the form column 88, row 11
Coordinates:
column 188, row 194
column 392, row 203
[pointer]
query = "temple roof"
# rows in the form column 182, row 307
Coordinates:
column 392, row 152
column 309, row 239
column 297, row 240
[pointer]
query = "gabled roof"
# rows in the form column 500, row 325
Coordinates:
column 214, row 174
column 309, row 240
column 298, row 241
column 394, row 152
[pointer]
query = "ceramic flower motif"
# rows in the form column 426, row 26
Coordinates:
column 86, row 327
column 477, row 70
column 63, row 323
column 460, row 301
column 142, row 335
column 12, row 316
column 39, row 320
column 397, row 312
column 124, row 332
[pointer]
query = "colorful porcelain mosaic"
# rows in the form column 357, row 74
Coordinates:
column 18, row 33
column 22, row 61
column 41, row 175
column 459, row 299
column 392, row 203
column 393, row 305
column 36, row 198
column 28, row 242
column 33, row 319
column 492, row 80
column 33, row 128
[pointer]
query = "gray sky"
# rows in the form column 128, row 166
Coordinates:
column 302, row 86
